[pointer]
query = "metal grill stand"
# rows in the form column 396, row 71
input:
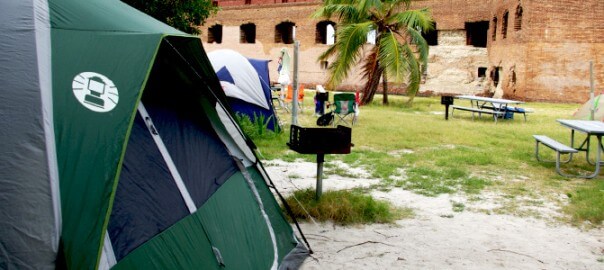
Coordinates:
column 320, row 141
column 446, row 100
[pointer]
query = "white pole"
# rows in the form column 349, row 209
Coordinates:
column 591, row 89
column 295, row 86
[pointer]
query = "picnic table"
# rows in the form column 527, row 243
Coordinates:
column 497, row 107
column 590, row 129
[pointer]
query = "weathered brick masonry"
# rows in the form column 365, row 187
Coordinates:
column 543, row 56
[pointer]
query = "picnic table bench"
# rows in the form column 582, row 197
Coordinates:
column 590, row 129
column 515, row 110
column 493, row 106
column 559, row 147
column 495, row 113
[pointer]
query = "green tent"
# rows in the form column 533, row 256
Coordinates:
column 118, row 151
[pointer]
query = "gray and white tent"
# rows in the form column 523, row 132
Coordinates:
column 118, row 149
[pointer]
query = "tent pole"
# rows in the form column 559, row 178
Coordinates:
column 295, row 86
column 591, row 89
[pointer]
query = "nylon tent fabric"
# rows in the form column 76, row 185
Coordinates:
column 584, row 112
column 30, row 216
column 246, row 83
column 261, row 66
column 81, row 129
column 225, row 211
column 90, row 67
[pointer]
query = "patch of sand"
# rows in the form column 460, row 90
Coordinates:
column 437, row 237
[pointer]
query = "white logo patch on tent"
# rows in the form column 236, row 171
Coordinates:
column 95, row 91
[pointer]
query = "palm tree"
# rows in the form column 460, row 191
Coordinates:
column 399, row 48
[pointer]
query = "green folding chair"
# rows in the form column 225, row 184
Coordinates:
column 345, row 111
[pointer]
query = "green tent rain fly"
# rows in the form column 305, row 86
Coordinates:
column 118, row 151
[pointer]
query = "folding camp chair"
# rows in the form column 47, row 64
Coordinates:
column 345, row 110
column 290, row 96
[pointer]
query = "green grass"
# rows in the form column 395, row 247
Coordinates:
column 458, row 207
column 432, row 156
column 344, row 207
column 587, row 203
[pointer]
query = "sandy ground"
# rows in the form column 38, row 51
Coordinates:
column 437, row 237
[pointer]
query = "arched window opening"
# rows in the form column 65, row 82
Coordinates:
column 504, row 25
column 325, row 32
column 371, row 36
column 482, row 72
column 247, row 33
column 495, row 75
column 215, row 34
column 518, row 19
column 431, row 36
column 494, row 33
column 324, row 65
column 285, row 32
column 477, row 34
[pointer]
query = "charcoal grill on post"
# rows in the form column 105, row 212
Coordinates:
column 320, row 141
column 446, row 100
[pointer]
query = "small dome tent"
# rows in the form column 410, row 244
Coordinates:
column 246, row 85
column 120, row 150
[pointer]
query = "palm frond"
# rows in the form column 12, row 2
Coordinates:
column 331, row 51
column 347, row 50
column 421, row 44
column 391, row 57
column 400, row 49
column 346, row 11
column 365, row 7
column 413, row 67
column 399, row 4
column 416, row 18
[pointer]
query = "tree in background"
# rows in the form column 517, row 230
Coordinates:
column 399, row 46
column 183, row 15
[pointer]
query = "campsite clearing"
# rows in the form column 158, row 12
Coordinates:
column 481, row 199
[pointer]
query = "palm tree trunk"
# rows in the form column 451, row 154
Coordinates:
column 371, row 85
column 384, row 88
